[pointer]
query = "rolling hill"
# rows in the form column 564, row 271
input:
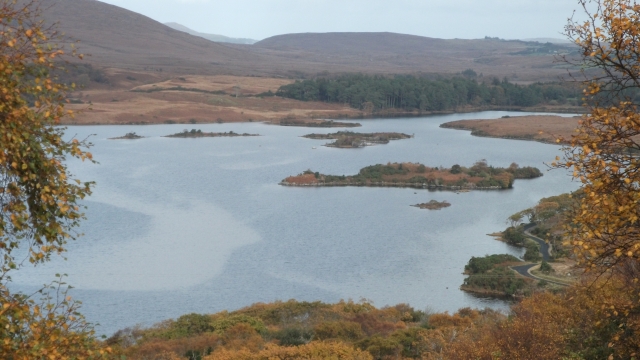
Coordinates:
column 121, row 38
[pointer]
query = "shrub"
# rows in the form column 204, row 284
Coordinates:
column 546, row 268
column 479, row 265
column 533, row 252
column 293, row 336
column 221, row 325
column 514, row 235
column 500, row 279
column 343, row 330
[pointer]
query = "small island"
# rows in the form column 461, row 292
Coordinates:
column 199, row 134
column 128, row 136
column 480, row 176
column 315, row 123
column 433, row 205
column 352, row 140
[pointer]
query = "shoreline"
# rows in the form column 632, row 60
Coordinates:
column 480, row 133
column 490, row 293
column 545, row 129
column 412, row 114
column 389, row 184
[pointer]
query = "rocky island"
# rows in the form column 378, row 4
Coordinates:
column 433, row 205
column 128, row 136
column 199, row 133
column 351, row 140
column 480, row 176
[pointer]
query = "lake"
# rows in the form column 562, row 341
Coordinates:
column 201, row 225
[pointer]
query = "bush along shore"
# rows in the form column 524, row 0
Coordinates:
column 480, row 176
column 351, row 140
column 491, row 275
column 199, row 133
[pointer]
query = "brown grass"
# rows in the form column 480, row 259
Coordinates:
column 127, row 102
column 117, row 37
column 543, row 128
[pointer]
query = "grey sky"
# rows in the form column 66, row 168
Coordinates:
column 467, row 19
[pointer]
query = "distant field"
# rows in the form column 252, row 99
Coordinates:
column 149, row 98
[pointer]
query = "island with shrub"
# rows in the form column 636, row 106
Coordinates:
column 199, row 134
column 433, row 205
column 480, row 176
column 128, row 136
column 352, row 140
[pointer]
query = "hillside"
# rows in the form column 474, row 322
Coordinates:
column 120, row 38
column 404, row 53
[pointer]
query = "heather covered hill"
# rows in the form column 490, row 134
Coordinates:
column 118, row 37
column 401, row 53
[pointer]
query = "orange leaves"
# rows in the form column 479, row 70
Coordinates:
column 604, row 155
column 39, row 204
column 32, row 331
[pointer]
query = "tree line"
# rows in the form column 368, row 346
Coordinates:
column 410, row 93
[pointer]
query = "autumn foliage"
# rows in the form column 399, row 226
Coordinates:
column 603, row 155
column 38, row 197
column 306, row 330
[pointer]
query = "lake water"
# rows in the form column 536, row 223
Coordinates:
column 201, row 225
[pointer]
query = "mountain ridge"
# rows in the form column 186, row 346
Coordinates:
column 116, row 37
column 210, row 37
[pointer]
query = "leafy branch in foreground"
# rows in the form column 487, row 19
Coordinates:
column 38, row 198
column 49, row 328
column 603, row 155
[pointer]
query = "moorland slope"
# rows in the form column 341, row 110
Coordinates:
column 117, row 37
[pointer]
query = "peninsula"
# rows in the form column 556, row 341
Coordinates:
column 542, row 128
column 352, row 140
column 199, row 134
column 314, row 123
column 480, row 176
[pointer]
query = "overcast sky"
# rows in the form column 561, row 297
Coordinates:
column 466, row 19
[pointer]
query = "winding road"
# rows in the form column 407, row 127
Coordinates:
column 544, row 251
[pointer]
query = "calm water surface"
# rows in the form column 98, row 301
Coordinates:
column 200, row 225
